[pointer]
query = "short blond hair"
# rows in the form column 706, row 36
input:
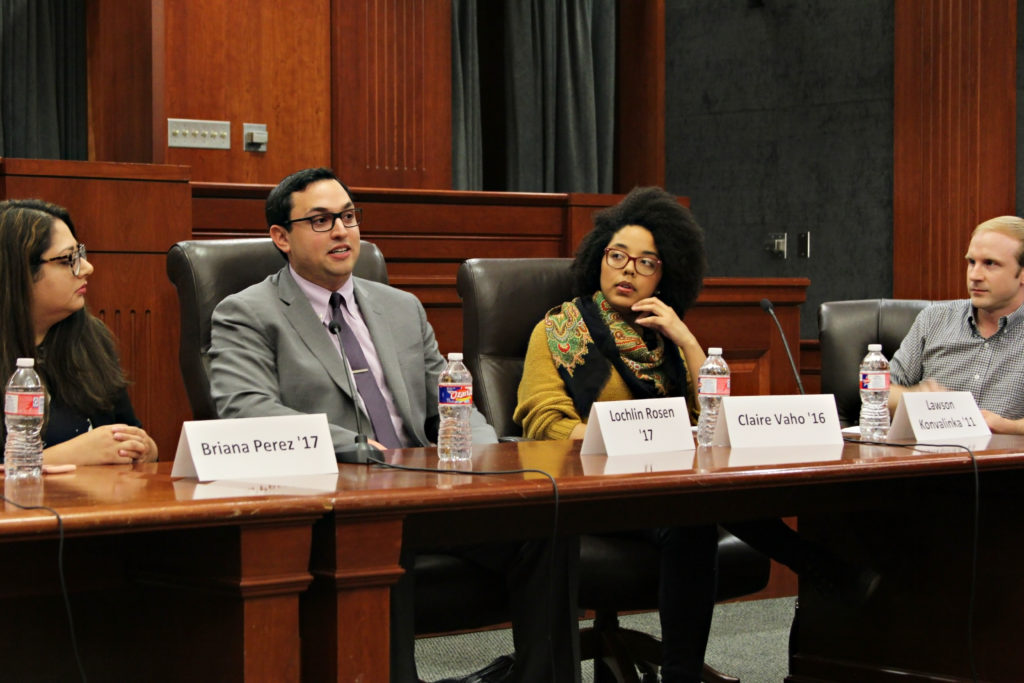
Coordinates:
column 1011, row 226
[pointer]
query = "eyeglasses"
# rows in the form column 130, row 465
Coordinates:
column 73, row 259
column 322, row 222
column 618, row 259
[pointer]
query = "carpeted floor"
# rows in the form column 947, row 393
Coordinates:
column 749, row 640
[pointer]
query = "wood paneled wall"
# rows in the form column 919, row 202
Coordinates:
column 247, row 61
column 640, row 95
column 391, row 103
column 128, row 215
column 363, row 86
column 123, row 66
column 955, row 133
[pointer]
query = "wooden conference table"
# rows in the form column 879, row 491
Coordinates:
column 180, row 581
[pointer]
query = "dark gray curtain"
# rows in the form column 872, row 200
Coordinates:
column 560, row 80
column 43, row 96
column 467, row 150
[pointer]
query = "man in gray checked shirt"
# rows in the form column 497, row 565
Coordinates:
column 975, row 344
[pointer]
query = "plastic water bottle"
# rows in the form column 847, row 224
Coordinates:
column 24, row 413
column 455, row 405
column 713, row 383
column 874, row 395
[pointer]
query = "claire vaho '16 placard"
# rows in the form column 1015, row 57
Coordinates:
column 790, row 420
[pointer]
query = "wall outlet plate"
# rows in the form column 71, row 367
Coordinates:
column 254, row 137
column 198, row 134
column 777, row 244
column 803, row 245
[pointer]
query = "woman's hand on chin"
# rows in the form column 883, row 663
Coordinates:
column 655, row 314
column 117, row 444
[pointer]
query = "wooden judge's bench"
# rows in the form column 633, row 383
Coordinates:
column 129, row 215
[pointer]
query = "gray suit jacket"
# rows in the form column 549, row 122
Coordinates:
column 271, row 355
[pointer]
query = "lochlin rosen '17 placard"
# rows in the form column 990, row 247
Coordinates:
column 650, row 425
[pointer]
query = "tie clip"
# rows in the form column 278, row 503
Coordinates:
column 356, row 372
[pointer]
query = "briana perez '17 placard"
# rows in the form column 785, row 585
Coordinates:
column 650, row 425
column 245, row 448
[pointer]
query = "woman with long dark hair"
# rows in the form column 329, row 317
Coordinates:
column 43, row 281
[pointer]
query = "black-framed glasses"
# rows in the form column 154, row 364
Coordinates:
column 618, row 259
column 73, row 259
column 323, row 222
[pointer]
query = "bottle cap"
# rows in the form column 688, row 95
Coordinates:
column 454, row 355
column 26, row 362
column 715, row 351
column 874, row 347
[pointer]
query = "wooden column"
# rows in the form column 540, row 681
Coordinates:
column 128, row 215
column 391, row 104
column 954, row 134
column 640, row 95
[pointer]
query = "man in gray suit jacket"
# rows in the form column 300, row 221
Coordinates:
column 272, row 353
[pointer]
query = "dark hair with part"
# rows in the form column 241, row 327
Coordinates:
column 77, row 358
column 680, row 243
column 279, row 202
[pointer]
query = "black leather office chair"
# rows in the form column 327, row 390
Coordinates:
column 845, row 328
column 616, row 574
column 451, row 594
column 206, row 271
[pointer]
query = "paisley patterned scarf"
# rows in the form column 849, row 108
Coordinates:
column 586, row 337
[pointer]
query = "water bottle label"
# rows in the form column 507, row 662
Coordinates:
column 28, row 405
column 874, row 381
column 455, row 394
column 713, row 385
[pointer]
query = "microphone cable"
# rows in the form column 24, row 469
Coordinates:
column 554, row 528
column 975, row 530
column 60, row 574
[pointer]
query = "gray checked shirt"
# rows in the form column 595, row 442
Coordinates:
column 943, row 344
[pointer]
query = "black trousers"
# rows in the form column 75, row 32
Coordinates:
column 541, row 581
column 776, row 539
column 687, row 585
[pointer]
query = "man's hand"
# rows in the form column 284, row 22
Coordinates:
column 1001, row 425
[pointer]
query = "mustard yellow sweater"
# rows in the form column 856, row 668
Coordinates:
column 546, row 411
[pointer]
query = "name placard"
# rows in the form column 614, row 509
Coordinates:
column 255, row 447
column 934, row 416
column 792, row 420
column 650, row 425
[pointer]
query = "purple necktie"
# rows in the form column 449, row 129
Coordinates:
column 372, row 397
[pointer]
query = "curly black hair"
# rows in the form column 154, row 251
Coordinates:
column 679, row 239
